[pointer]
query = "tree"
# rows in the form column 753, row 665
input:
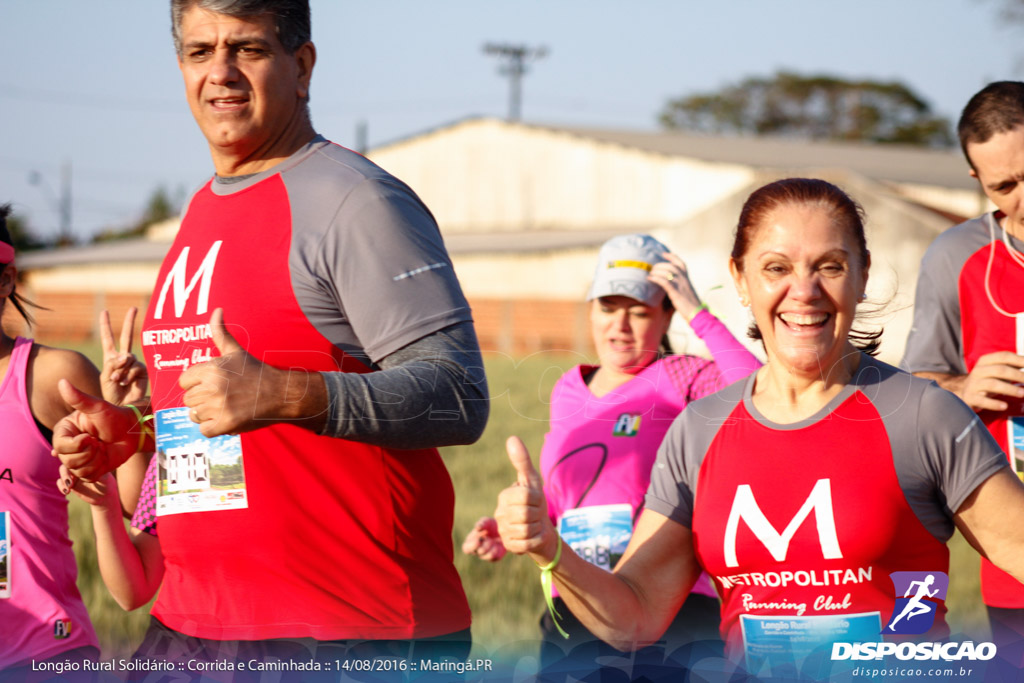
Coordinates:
column 160, row 207
column 22, row 236
column 817, row 107
column 1012, row 11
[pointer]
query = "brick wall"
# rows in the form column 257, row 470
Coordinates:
column 514, row 327
column 72, row 316
column 524, row 326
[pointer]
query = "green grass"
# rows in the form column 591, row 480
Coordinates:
column 119, row 632
column 505, row 597
column 966, row 611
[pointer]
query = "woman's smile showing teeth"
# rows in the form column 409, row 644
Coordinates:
column 799, row 321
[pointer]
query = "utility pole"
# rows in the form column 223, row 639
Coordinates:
column 514, row 58
column 362, row 137
column 65, row 204
column 61, row 204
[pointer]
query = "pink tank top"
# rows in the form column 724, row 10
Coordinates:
column 41, row 611
column 598, row 453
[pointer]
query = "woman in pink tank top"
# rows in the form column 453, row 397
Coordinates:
column 41, row 612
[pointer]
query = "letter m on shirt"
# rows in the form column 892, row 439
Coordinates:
column 745, row 508
column 175, row 283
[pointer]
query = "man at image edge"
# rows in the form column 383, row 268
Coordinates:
column 343, row 354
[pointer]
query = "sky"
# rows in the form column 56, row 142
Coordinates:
column 94, row 84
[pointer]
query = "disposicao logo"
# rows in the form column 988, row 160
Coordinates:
column 918, row 595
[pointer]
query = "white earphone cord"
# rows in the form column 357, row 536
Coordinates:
column 1011, row 250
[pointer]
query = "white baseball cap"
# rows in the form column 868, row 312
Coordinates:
column 623, row 266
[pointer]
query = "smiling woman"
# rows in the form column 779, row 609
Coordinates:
column 887, row 463
column 800, row 260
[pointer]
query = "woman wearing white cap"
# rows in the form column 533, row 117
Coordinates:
column 608, row 420
column 41, row 610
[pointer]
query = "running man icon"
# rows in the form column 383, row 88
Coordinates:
column 916, row 605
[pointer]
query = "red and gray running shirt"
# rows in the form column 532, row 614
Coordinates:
column 807, row 520
column 325, row 263
column 967, row 276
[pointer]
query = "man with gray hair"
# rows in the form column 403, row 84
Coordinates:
column 309, row 348
column 968, row 329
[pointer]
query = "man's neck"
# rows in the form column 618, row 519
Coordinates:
column 1013, row 230
column 245, row 160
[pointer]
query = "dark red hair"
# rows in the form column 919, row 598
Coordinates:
column 806, row 191
column 813, row 192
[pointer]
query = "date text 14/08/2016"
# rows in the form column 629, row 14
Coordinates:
column 398, row 664
column 352, row 665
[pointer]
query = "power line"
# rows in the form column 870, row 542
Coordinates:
column 89, row 174
column 16, row 92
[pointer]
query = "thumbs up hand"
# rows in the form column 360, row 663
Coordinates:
column 96, row 437
column 236, row 393
column 223, row 393
column 522, row 511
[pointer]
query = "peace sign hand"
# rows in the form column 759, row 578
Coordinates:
column 124, row 378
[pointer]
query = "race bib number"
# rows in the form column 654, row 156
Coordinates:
column 1015, row 424
column 1015, row 443
column 5, row 554
column 1020, row 334
column 197, row 474
column 598, row 533
column 778, row 646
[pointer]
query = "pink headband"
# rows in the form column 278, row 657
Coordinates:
column 6, row 253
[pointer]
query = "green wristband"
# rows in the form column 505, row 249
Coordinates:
column 546, row 585
column 702, row 307
column 145, row 429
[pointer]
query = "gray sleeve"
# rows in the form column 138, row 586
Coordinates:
column 671, row 490
column 934, row 343
column 941, row 450
column 957, row 450
column 430, row 393
column 674, row 475
column 389, row 268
